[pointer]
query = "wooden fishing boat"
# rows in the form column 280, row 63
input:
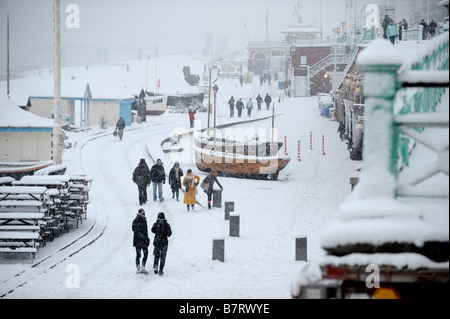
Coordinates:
column 156, row 105
column 18, row 170
column 233, row 164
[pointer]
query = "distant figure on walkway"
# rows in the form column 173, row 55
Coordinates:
column 190, row 183
column 239, row 106
column 161, row 229
column 158, row 178
column 259, row 101
column 140, row 240
column 386, row 22
column 142, row 177
column 120, row 126
column 249, row 107
column 192, row 117
column 268, row 100
column 208, row 184
column 391, row 32
column 231, row 104
column 425, row 29
column 432, row 28
column 241, row 79
column 175, row 175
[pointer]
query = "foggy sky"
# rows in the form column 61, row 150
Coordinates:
column 157, row 26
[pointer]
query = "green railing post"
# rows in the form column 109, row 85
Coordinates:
column 379, row 61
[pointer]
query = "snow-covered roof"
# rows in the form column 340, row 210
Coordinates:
column 300, row 28
column 14, row 116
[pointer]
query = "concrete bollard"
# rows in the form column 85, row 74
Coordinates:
column 301, row 248
column 218, row 249
column 229, row 207
column 234, row 224
column 217, row 198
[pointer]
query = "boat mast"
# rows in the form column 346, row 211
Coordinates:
column 273, row 121
column 57, row 147
column 209, row 98
column 7, row 54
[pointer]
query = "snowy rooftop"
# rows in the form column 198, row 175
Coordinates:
column 14, row 116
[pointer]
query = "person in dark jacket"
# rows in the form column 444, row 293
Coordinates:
column 239, row 106
column 120, row 126
column 210, row 180
column 175, row 175
column 162, row 231
column 268, row 100
column 259, row 101
column 142, row 177
column 231, row 104
column 158, row 178
column 141, row 241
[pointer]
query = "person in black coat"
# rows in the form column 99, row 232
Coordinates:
column 161, row 229
column 239, row 106
column 210, row 180
column 120, row 126
column 142, row 177
column 175, row 175
column 141, row 241
column 268, row 100
column 158, row 178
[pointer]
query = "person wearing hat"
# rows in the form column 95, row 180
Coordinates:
column 142, row 177
column 175, row 175
column 161, row 229
column 141, row 241
column 158, row 178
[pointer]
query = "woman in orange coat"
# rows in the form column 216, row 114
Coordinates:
column 190, row 182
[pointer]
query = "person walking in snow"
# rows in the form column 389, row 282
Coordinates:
column 208, row 185
column 158, row 178
column 175, row 175
column 142, row 177
column 259, row 101
column 385, row 24
column 239, row 106
column 432, row 28
column 241, row 79
column 231, row 104
column 190, row 183
column 268, row 100
column 192, row 117
column 141, row 241
column 161, row 229
column 391, row 32
column 120, row 126
column 249, row 107
column 424, row 30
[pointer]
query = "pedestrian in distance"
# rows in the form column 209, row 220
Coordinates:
column 268, row 100
column 158, row 178
column 249, row 107
column 239, row 106
column 241, row 79
column 175, row 175
column 231, row 104
column 190, row 182
column 161, row 229
column 120, row 126
column 142, row 177
column 208, row 185
column 192, row 117
column 391, row 32
column 259, row 101
column 432, row 28
column 141, row 241
column 385, row 24
column 424, row 30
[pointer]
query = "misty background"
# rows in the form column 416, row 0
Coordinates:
column 117, row 30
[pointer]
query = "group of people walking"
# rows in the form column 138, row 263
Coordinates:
column 249, row 105
column 391, row 31
column 143, row 176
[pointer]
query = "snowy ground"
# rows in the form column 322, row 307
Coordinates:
column 259, row 264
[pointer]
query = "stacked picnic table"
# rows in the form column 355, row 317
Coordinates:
column 37, row 209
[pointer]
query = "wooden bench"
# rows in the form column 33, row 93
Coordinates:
column 19, row 242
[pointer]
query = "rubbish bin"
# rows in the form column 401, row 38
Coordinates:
column 281, row 85
column 326, row 108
